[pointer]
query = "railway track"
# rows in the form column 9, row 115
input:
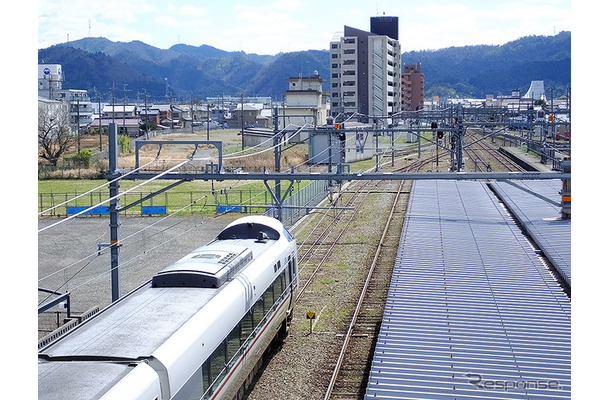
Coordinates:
column 351, row 371
column 346, row 258
column 344, row 278
column 484, row 156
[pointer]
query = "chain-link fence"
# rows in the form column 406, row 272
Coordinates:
column 185, row 202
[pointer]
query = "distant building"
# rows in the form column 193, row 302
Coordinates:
column 119, row 111
column 412, row 88
column 80, row 106
column 536, row 91
column 243, row 116
column 50, row 86
column 365, row 71
column 305, row 102
column 50, row 80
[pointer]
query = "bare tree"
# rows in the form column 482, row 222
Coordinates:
column 54, row 134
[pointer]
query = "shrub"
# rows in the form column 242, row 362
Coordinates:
column 124, row 143
column 80, row 159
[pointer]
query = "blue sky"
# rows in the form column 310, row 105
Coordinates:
column 272, row 26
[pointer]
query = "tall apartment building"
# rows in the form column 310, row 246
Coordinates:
column 365, row 71
column 412, row 88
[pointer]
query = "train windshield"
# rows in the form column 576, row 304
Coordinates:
column 248, row 230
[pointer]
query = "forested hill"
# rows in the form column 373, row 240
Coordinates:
column 184, row 71
column 481, row 70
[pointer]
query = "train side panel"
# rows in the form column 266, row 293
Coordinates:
column 250, row 356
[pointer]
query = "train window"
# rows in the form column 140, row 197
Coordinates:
column 247, row 326
column 205, row 373
column 217, row 365
column 193, row 389
column 277, row 287
column 268, row 298
column 258, row 311
column 233, row 344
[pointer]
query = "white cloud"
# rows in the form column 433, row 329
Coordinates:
column 271, row 26
column 192, row 11
column 168, row 21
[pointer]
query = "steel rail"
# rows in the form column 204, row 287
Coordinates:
column 356, row 313
column 332, row 246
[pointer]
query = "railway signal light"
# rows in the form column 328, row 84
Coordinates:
column 439, row 135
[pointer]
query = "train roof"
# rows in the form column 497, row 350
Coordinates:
column 79, row 380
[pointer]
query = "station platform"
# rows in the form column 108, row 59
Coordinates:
column 541, row 220
column 472, row 310
column 532, row 161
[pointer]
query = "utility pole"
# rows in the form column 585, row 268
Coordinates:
column 242, row 120
column 124, row 107
column 459, row 144
column 99, row 108
column 278, row 157
column 78, row 122
column 208, row 123
column 146, row 114
column 192, row 114
column 113, row 100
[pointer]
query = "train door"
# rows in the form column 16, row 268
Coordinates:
column 289, row 272
column 292, row 272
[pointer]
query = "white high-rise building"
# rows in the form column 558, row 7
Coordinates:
column 365, row 71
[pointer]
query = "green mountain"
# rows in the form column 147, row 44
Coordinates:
column 480, row 70
column 183, row 72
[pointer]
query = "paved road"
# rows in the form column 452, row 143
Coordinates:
column 68, row 257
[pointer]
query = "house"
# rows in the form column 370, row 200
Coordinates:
column 125, row 126
column 243, row 116
column 152, row 115
column 173, row 116
column 119, row 111
column 200, row 113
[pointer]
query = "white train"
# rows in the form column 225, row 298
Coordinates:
column 196, row 330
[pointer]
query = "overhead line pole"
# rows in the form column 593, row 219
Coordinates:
column 278, row 158
column 113, row 209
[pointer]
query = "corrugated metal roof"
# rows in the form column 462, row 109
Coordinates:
column 472, row 312
column 542, row 220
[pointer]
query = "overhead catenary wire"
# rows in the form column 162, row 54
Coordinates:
column 94, row 189
column 117, row 196
column 124, row 242
column 177, row 166
column 233, row 156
